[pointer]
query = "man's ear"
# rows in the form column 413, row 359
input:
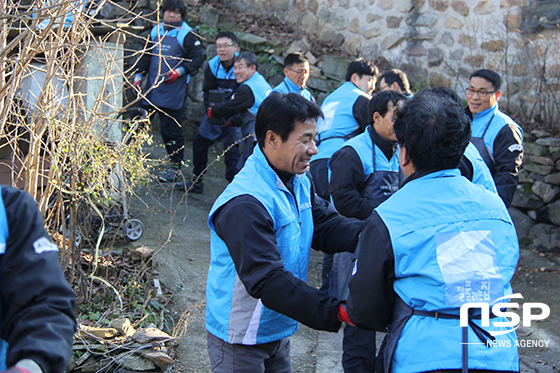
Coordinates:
column 271, row 139
column 354, row 78
column 405, row 162
column 498, row 95
column 376, row 116
column 395, row 87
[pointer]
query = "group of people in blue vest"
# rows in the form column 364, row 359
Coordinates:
column 415, row 219
column 404, row 193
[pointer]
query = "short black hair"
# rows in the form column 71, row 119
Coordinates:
column 178, row 5
column 361, row 67
column 396, row 75
column 446, row 92
column 490, row 75
column 250, row 58
column 280, row 112
column 293, row 59
column 433, row 129
column 227, row 34
column 380, row 102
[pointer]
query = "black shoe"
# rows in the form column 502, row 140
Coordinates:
column 171, row 175
column 189, row 186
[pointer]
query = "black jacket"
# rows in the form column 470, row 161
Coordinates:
column 348, row 178
column 37, row 302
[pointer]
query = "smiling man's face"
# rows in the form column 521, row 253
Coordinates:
column 293, row 155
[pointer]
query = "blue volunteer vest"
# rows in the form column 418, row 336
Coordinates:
column 231, row 314
column 481, row 173
column 4, row 234
column 453, row 243
column 260, row 88
column 287, row 86
column 485, row 127
column 167, row 55
column 382, row 174
column 339, row 123
column 382, row 181
column 225, row 81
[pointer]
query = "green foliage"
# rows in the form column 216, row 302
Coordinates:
column 206, row 30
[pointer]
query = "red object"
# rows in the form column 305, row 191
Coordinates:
column 343, row 315
column 137, row 83
column 16, row 370
column 209, row 112
column 171, row 76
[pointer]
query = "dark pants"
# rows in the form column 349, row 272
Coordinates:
column 320, row 173
column 358, row 348
column 200, row 157
column 273, row 357
column 171, row 133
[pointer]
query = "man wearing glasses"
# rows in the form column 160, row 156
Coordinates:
column 296, row 70
column 496, row 136
column 395, row 80
column 219, row 85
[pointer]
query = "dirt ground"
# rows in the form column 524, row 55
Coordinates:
column 177, row 222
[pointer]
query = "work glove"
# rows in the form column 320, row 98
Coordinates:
column 137, row 82
column 16, row 370
column 343, row 315
column 172, row 75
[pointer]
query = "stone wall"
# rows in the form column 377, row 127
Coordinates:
column 535, row 208
column 441, row 41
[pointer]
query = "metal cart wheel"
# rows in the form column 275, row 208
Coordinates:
column 134, row 229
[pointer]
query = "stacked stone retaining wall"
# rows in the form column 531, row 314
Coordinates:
column 535, row 208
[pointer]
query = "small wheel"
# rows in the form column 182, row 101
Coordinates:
column 134, row 229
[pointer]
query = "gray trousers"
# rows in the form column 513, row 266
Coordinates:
column 273, row 357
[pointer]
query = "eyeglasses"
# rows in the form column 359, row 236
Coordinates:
column 482, row 93
column 299, row 72
column 224, row 46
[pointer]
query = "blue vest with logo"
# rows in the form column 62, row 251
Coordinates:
column 339, row 123
column 231, row 313
column 382, row 174
column 485, row 127
column 481, row 173
column 260, row 88
column 453, row 243
column 226, row 79
column 287, row 86
column 4, row 234
column 167, row 55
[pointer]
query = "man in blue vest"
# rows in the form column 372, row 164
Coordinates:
column 244, row 103
column 173, row 54
column 439, row 243
column 256, row 292
column 37, row 318
column 497, row 137
column 296, row 71
column 395, row 80
column 219, row 80
column 363, row 174
column 472, row 165
column 346, row 116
